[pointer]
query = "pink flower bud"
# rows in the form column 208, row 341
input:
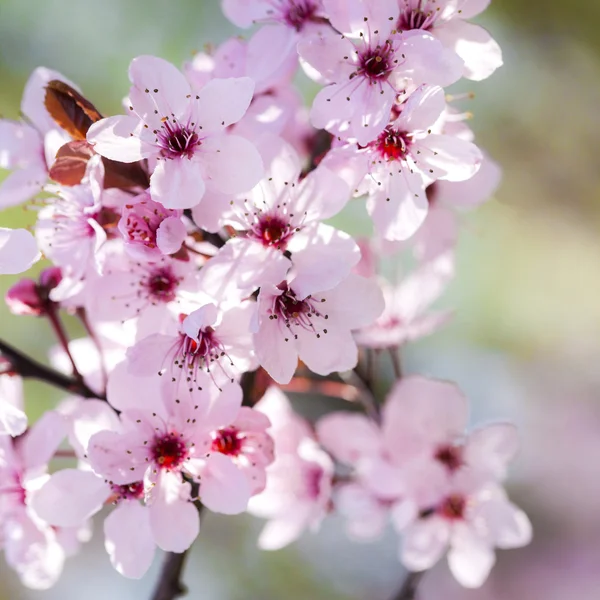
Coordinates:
column 28, row 298
column 23, row 298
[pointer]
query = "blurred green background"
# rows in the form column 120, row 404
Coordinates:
column 525, row 342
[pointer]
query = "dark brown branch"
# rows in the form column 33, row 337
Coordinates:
column 27, row 367
column 408, row 591
column 169, row 585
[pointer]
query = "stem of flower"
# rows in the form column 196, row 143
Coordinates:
column 408, row 590
column 169, row 585
column 27, row 367
column 90, row 331
column 60, row 333
column 396, row 362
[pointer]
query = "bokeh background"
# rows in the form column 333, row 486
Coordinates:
column 525, row 343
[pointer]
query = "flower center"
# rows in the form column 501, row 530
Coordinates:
column 161, row 284
column 453, row 507
column 393, row 144
column 299, row 12
column 169, row 451
column 377, row 63
column 417, row 18
column 227, row 441
column 272, row 230
column 177, row 141
column 132, row 491
column 450, row 457
column 296, row 313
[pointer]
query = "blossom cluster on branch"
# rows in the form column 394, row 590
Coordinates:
column 191, row 236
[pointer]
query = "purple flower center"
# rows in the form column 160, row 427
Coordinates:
column 131, row 491
column 169, row 451
column 450, row 457
column 393, row 144
column 312, row 481
column 299, row 12
column 377, row 63
column 297, row 313
column 422, row 17
column 272, row 231
column 227, row 441
column 453, row 507
column 161, row 284
column 177, row 141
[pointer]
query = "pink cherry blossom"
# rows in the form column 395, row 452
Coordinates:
column 446, row 20
column 128, row 288
column 293, row 14
column 406, row 316
column 18, row 251
column 29, row 148
column 248, row 444
column 209, row 340
column 170, row 436
column 298, row 490
column 314, row 326
column 470, row 520
column 150, row 230
column 367, row 68
column 32, row 548
column 69, row 229
column 407, row 157
column 183, row 132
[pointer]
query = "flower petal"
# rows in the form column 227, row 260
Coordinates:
column 118, row 138
column 177, row 183
column 18, row 251
column 233, row 164
column 70, row 497
column 224, row 488
column 128, row 539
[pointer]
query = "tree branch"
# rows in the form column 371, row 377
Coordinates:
column 169, row 585
column 27, row 367
column 408, row 590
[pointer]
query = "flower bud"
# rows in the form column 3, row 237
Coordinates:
column 27, row 297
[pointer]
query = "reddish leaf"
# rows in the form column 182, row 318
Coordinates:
column 69, row 109
column 71, row 161
column 124, row 175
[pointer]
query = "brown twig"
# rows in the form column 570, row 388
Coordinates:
column 408, row 590
column 169, row 585
column 27, row 367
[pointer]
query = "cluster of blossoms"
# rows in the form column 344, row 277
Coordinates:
column 189, row 236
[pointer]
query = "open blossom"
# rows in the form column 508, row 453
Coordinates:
column 129, row 288
column 32, row 547
column 298, row 491
column 183, row 132
column 368, row 67
column 440, row 484
column 28, row 148
column 469, row 520
column 406, row 316
column 18, row 251
column 208, row 340
column 447, row 21
column 395, row 169
column 314, row 326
